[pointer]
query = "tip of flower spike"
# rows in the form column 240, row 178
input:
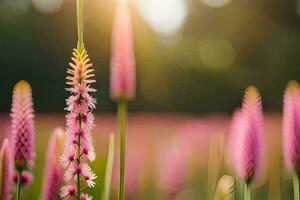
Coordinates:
column 252, row 94
column 252, row 98
column 292, row 86
column 60, row 136
column 22, row 85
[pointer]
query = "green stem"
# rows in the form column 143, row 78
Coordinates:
column 80, row 45
column 296, row 186
column 122, row 134
column 109, row 167
column 19, row 185
column 78, row 162
column 247, row 191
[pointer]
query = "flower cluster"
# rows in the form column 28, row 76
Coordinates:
column 79, row 150
column 22, row 126
column 249, row 141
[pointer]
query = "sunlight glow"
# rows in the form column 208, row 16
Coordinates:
column 165, row 17
column 216, row 3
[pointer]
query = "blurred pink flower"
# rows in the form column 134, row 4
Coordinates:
column 233, row 138
column 22, row 125
column 53, row 174
column 291, row 126
column 174, row 170
column 122, row 61
column 6, row 171
column 79, row 148
column 250, row 139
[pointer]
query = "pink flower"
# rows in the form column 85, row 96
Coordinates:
column 26, row 178
column 66, row 191
column 88, row 175
column 22, row 125
column 291, row 126
column 79, row 149
column 250, row 138
column 53, row 171
column 234, row 137
column 173, row 170
column 6, row 171
column 122, row 60
column 85, row 197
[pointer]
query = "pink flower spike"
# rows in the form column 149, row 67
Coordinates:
column 234, row 137
column 79, row 150
column 291, row 126
column 53, row 170
column 22, row 125
column 6, row 171
column 250, row 138
column 122, row 85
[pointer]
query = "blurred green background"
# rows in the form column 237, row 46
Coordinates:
column 192, row 55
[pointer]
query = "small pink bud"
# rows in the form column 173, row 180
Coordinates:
column 26, row 178
column 122, row 83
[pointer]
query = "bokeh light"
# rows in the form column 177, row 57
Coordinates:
column 165, row 17
column 47, row 6
column 217, row 53
column 9, row 9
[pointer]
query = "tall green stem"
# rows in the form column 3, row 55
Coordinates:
column 19, row 185
column 247, row 191
column 80, row 47
column 109, row 167
column 80, row 44
column 122, row 134
column 296, row 186
column 78, row 162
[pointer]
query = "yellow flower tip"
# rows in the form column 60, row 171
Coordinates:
column 252, row 95
column 22, row 86
column 79, row 55
column 293, row 86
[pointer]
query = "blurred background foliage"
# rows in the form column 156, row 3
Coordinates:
column 192, row 55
